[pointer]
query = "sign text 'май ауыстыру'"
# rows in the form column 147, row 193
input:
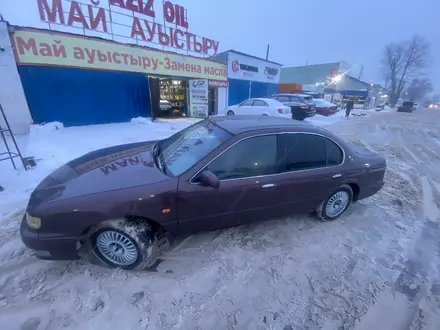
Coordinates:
column 37, row 47
column 95, row 17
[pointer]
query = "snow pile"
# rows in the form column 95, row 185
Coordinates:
column 141, row 120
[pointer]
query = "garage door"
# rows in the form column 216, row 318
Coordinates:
column 84, row 97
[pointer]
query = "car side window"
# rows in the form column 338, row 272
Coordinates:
column 334, row 153
column 259, row 103
column 247, row 103
column 283, row 99
column 303, row 152
column 294, row 99
column 250, row 157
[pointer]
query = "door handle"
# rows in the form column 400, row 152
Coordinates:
column 269, row 185
column 336, row 176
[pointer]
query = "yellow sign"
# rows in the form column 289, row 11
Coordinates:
column 37, row 47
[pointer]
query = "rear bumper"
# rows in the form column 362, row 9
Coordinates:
column 49, row 247
column 303, row 114
column 371, row 190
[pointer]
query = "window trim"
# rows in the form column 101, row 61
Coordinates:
column 276, row 174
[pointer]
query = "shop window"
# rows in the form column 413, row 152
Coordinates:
column 174, row 92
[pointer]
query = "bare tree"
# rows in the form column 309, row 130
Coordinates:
column 402, row 62
column 418, row 89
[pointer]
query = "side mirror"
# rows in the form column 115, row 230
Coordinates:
column 210, row 179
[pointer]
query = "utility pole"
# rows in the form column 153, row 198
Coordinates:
column 267, row 52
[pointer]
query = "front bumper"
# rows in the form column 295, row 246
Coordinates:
column 49, row 246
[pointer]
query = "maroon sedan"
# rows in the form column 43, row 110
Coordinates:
column 125, row 201
column 324, row 107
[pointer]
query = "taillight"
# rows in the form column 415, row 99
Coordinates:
column 280, row 110
column 303, row 106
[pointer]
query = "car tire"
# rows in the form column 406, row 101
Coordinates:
column 129, row 245
column 230, row 113
column 344, row 195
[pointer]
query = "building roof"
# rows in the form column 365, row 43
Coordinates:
column 307, row 74
column 244, row 54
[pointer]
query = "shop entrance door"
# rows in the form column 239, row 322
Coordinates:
column 212, row 101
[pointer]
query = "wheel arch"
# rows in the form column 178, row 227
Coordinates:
column 356, row 190
column 134, row 218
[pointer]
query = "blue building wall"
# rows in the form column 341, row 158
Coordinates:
column 239, row 90
column 84, row 97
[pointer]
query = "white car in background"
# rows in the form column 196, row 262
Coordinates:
column 260, row 106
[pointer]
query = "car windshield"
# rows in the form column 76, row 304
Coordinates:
column 408, row 104
column 319, row 102
column 186, row 148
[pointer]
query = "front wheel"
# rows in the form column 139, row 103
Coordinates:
column 335, row 205
column 230, row 113
column 125, row 244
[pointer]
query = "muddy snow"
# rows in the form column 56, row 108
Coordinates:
column 378, row 267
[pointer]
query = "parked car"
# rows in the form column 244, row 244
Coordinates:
column 126, row 201
column 324, row 107
column 406, row 107
column 165, row 106
column 380, row 107
column 301, row 105
column 260, row 106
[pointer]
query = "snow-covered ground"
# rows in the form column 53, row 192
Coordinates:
column 377, row 267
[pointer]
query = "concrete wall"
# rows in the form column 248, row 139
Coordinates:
column 12, row 97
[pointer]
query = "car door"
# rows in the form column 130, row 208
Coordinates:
column 311, row 170
column 245, row 108
column 259, row 107
column 247, row 191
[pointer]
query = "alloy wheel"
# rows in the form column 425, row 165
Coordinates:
column 117, row 248
column 337, row 203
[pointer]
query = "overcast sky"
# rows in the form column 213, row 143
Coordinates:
column 300, row 31
column 318, row 31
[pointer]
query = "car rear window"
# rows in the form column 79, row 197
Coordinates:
column 408, row 104
column 308, row 99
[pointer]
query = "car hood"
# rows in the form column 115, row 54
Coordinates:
column 112, row 168
column 235, row 106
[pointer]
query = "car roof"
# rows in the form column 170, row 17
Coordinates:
column 291, row 94
column 242, row 123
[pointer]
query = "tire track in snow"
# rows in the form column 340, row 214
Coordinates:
column 430, row 209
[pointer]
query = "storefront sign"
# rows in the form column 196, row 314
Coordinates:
column 198, row 97
column 57, row 49
column 136, row 21
column 217, row 83
column 253, row 69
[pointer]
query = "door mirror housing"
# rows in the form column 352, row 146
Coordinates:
column 210, row 179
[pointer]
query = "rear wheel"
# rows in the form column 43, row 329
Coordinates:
column 230, row 113
column 335, row 205
column 125, row 244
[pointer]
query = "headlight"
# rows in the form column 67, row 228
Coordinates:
column 33, row 222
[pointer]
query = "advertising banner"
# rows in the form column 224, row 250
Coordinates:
column 253, row 69
column 36, row 47
column 198, row 97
